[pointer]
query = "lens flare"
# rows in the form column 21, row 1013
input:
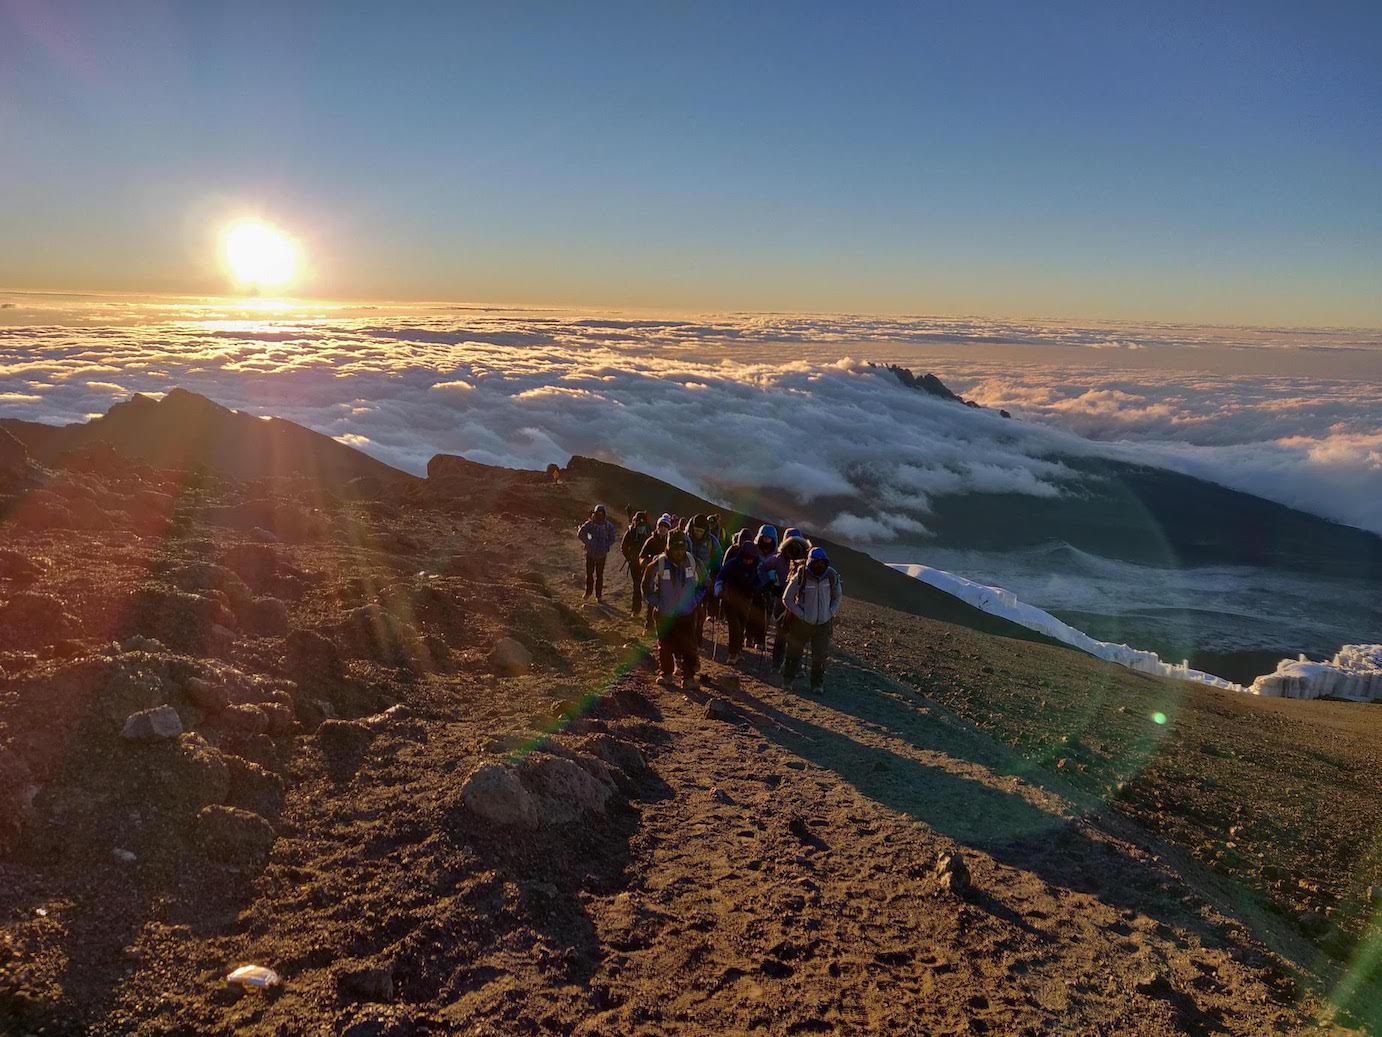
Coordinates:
column 258, row 256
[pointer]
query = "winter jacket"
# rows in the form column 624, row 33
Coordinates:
column 740, row 581
column 708, row 552
column 811, row 598
column 671, row 589
column 598, row 537
column 774, row 570
column 634, row 538
column 794, row 549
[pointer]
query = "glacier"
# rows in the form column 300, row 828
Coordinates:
column 1355, row 672
column 999, row 602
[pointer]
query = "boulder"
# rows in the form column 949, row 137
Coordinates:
column 494, row 793
column 206, row 696
column 366, row 982
column 344, row 737
column 245, row 719
column 267, row 617
column 152, row 725
column 234, row 837
column 256, row 564
column 564, row 790
column 312, row 658
column 510, row 657
column 616, row 753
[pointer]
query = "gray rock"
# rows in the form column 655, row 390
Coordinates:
column 152, row 725
column 493, row 792
column 564, row 790
column 370, row 1020
column 510, row 657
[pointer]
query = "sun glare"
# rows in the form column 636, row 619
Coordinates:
column 259, row 256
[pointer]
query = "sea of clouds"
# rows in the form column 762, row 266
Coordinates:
column 719, row 403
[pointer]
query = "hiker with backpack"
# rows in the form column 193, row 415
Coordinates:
column 772, row 578
column 655, row 545
column 640, row 529
column 674, row 584
column 598, row 535
column 791, row 554
column 738, row 590
column 813, row 597
column 706, row 550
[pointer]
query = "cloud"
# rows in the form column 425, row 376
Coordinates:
column 732, row 403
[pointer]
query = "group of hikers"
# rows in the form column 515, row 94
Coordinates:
column 784, row 593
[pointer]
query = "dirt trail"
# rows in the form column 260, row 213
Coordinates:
column 787, row 882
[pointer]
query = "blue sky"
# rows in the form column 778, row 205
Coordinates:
column 1147, row 161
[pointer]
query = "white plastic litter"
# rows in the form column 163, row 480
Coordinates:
column 254, row 977
column 127, row 856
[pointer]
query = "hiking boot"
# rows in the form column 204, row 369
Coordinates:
column 599, row 600
column 690, row 684
column 667, row 680
column 586, row 597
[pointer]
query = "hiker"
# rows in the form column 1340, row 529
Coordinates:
column 674, row 584
column 706, row 550
column 738, row 591
column 772, row 579
column 640, row 528
column 713, row 527
column 655, row 545
column 598, row 535
column 791, row 554
column 813, row 596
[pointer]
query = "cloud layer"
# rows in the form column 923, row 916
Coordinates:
column 710, row 403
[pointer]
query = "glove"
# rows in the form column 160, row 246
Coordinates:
column 719, row 587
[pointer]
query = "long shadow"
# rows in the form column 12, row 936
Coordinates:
column 1001, row 824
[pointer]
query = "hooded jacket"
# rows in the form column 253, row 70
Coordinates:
column 634, row 538
column 737, row 580
column 598, row 536
column 707, row 551
column 813, row 599
column 672, row 589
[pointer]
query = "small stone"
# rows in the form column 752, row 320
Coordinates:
column 127, row 856
column 152, row 725
column 951, row 875
column 719, row 795
column 719, row 709
column 510, row 657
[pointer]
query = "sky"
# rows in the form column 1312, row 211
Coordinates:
column 1168, row 161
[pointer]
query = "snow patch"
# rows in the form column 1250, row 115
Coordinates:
column 1355, row 673
column 999, row 602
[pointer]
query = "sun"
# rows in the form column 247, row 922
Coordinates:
column 259, row 256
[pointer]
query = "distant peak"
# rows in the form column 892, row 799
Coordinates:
column 931, row 385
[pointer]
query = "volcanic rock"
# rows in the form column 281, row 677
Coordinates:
column 564, row 790
column 234, row 837
column 266, row 616
column 152, row 725
column 510, row 657
column 493, row 792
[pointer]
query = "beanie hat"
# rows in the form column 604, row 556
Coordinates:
column 818, row 555
column 665, row 520
column 676, row 538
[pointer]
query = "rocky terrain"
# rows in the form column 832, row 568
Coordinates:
column 360, row 730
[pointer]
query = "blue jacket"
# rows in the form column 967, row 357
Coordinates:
column 674, row 590
column 598, row 537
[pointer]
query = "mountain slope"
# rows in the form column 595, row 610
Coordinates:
column 865, row 577
column 186, row 431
